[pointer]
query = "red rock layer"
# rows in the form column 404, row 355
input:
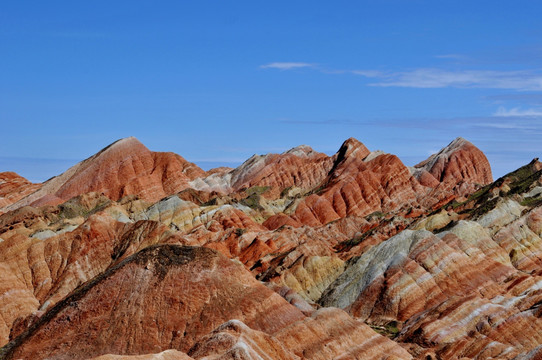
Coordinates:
column 434, row 270
column 356, row 188
column 164, row 355
column 361, row 183
column 458, row 163
column 13, row 188
column 160, row 298
column 301, row 167
column 297, row 250
column 126, row 167
column 42, row 272
column 332, row 334
column 464, row 293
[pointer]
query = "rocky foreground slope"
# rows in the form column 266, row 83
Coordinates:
column 300, row 255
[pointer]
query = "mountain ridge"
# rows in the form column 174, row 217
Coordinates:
column 151, row 169
column 370, row 257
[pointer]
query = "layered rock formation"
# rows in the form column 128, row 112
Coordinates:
column 361, row 183
column 235, row 340
column 348, row 256
column 164, row 355
column 125, row 167
column 160, row 298
column 468, row 289
column 13, row 188
column 459, row 164
column 300, row 168
column 332, row 334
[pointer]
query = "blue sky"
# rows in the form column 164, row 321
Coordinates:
column 218, row 81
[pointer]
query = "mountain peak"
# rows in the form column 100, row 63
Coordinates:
column 459, row 161
column 130, row 140
column 457, row 143
column 301, row 151
column 14, row 187
column 123, row 144
column 125, row 167
column 352, row 147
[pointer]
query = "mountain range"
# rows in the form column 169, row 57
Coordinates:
column 135, row 254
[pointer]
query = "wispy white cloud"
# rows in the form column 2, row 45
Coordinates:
column 451, row 56
column 505, row 126
column 519, row 80
column 369, row 73
column 437, row 78
column 517, row 112
column 286, row 65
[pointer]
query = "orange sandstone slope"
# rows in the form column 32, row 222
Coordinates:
column 299, row 169
column 125, row 167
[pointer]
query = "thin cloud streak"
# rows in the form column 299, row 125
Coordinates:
column 369, row 73
column 524, row 80
column 452, row 56
column 286, row 65
column 530, row 124
column 519, row 80
column 506, row 126
column 531, row 99
column 517, row 112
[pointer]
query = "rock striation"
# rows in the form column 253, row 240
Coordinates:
column 466, row 289
column 234, row 340
column 160, row 298
column 459, row 162
column 164, row 355
column 299, row 255
column 332, row 334
column 124, row 168
column 300, row 168
column 13, row 188
column 361, row 183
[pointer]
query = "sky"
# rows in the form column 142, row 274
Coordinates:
column 217, row 81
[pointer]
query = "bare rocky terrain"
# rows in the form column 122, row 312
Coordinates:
column 134, row 254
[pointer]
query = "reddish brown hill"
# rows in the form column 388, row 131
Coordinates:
column 463, row 281
column 13, row 188
column 460, row 165
column 361, row 183
column 301, row 168
column 37, row 272
column 162, row 297
column 125, row 167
